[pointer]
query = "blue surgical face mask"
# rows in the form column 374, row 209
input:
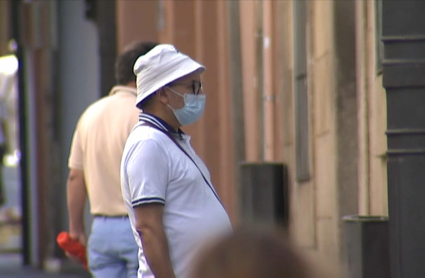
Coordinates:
column 192, row 110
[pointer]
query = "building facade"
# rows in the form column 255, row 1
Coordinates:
column 297, row 82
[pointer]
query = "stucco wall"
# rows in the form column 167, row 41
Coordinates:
column 371, row 115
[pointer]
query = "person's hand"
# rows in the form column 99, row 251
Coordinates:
column 79, row 236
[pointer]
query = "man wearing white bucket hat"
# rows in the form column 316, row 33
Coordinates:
column 167, row 189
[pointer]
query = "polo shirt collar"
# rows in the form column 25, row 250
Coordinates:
column 160, row 123
column 125, row 89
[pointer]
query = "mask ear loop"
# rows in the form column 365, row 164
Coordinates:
column 173, row 109
column 172, row 90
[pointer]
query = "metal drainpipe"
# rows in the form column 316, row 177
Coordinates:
column 403, row 78
column 238, row 122
column 259, row 93
column 268, row 95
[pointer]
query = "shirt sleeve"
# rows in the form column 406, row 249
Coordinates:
column 147, row 173
column 75, row 160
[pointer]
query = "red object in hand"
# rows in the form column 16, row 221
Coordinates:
column 72, row 247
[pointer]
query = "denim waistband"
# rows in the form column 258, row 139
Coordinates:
column 110, row 216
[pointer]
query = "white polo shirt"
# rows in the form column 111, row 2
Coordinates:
column 155, row 170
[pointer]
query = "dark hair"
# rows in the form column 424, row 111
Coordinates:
column 146, row 102
column 125, row 62
column 250, row 253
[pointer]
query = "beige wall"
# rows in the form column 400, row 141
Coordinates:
column 313, row 203
column 136, row 20
column 371, row 115
column 322, row 86
column 261, row 68
column 303, row 202
column 316, row 206
column 314, row 212
column 252, row 94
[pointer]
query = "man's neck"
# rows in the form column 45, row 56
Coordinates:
column 131, row 84
column 165, row 117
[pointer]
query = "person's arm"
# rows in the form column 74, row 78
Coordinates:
column 146, row 170
column 76, row 196
column 155, row 245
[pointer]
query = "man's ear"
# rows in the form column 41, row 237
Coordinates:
column 162, row 96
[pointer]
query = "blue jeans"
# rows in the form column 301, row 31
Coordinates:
column 112, row 251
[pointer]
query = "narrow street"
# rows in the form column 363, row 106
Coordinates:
column 11, row 266
column 10, row 258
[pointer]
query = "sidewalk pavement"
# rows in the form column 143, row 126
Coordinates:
column 32, row 273
column 11, row 267
column 11, row 263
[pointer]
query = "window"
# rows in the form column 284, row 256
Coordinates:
column 300, row 90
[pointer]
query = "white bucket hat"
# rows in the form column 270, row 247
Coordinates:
column 159, row 67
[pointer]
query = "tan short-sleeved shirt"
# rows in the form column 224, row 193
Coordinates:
column 97, row 148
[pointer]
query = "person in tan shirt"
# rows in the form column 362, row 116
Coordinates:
column 94, row 163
